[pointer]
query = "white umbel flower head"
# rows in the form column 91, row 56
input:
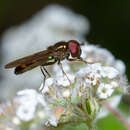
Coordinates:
column 89, row 85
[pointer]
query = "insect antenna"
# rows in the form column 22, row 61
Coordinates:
column 86, row 62
column 81, row 59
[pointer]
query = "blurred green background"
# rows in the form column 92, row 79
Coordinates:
column 109, row 27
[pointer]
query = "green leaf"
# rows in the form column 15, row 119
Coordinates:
column 110, row 123
column 88, row 107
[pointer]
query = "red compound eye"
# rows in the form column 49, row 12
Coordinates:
column 74, row 48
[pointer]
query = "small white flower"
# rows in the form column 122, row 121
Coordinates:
column 52, row 120
column 109, row 72
column 16, row 120
column 104, row 91
column 25, row 113
column 91, row 80
column 28, row 99
column 63, row 81
column 114, row 84
column 32, row 96
column 81, row 72
column 91, row 73
column 91, row 69
column 66, row 93
column 94, row 70
column 41, row 114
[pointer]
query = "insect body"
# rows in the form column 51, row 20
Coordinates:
column 53, row 54
column 59, row 51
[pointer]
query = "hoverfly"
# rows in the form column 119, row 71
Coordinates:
column 59, row 51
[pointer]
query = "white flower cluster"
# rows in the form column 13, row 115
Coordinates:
column 62, row 101
column 90, row 76
column 95, row 53
column 100, row 77
column 27, row 106
column 91, row 82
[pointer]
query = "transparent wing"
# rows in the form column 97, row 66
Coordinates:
column 30, row 59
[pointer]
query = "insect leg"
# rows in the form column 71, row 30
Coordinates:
column 46, row 64
column 44, row 79
column 46, row 71
column 60, row 65
column 42, row 67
